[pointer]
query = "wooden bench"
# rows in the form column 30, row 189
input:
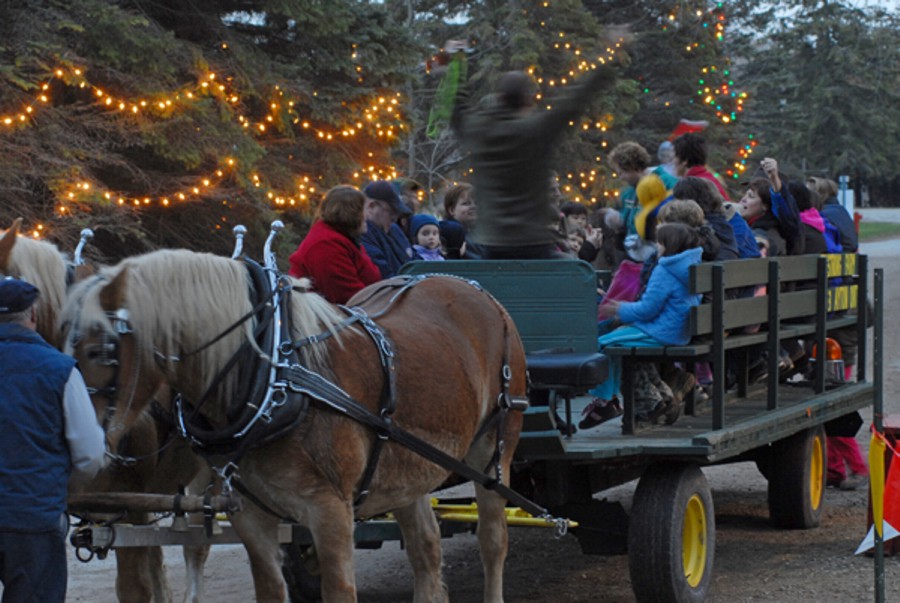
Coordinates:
column 554, row 306
column 803, row 299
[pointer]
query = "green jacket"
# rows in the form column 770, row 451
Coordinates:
column 510, row 153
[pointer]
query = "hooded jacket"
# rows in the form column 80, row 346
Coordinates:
column 728, row 249
column 813, row 228
column 835, row 213
column 663, row 310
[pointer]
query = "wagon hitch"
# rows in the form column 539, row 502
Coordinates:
column 95, row 538
column 92, row 540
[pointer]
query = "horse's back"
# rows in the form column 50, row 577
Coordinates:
column 451, row 341
column 442, row 318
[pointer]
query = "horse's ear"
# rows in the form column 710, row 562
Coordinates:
column 7, row 242
column 112, row 296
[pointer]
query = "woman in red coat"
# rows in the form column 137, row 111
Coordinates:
column 331, row 255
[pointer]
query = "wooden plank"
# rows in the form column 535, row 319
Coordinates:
column 738, row 313
column 127, row 535
column 738, row 274
column 798, row 304
column 747, row 425
column 743, row 273
column 797, row 268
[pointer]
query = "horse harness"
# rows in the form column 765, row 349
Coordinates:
column 285, row 388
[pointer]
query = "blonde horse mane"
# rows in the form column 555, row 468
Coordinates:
column 179, row 300
column 41, row 264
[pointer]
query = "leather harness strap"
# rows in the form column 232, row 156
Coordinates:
column 331, row 396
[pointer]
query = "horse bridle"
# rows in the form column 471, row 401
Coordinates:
column 107, row 354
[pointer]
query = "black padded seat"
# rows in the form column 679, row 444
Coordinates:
column 554, row 369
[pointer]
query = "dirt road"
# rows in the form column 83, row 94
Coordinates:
column 754, row 562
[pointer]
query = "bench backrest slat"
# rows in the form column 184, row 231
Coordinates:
column 738, row 274
column 746, row 273
column 552, row 302
column 803, row 270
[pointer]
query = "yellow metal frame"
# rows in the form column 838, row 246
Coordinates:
column 468, row 513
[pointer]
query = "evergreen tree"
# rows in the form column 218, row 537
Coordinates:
column 163, row 123
column 682, row 64
column 827, row 80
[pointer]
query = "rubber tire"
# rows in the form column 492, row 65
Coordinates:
column 797, row 480
column 302, row 586
column 671, row 534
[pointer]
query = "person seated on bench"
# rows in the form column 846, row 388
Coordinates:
column 710, row 201
column 660, row 318
column 331, row 255
column 770, row 209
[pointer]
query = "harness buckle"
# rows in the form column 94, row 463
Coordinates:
column 279, row 395
column 121, row 321
column 122, row 461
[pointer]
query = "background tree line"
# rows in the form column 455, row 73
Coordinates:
column 160, row 123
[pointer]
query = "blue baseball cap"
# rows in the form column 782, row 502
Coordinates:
column 16, row 295
column 385, row 191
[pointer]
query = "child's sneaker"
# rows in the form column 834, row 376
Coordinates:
column 599, row 411
column 854, row 482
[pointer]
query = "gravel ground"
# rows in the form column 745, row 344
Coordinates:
column 754, row 562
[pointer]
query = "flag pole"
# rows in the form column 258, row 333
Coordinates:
column 877, row 416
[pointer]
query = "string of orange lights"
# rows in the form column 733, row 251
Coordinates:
column 381, row 119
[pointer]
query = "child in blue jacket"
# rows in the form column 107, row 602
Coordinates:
column 660, row 317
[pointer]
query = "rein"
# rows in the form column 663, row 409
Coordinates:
column 332, row 396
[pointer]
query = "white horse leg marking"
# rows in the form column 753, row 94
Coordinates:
column 194, row 561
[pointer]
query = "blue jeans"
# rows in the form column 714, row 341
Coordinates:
column 625, row 336
column 33, row 567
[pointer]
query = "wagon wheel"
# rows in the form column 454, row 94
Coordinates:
column 797, row 480
column 671, row 534
column 303, row 585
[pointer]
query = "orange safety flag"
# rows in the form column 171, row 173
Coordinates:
column 892, row 492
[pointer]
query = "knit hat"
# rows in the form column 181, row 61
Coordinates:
column 650, row 190
column 16, row 295
column 453, row 235
column 418, row 221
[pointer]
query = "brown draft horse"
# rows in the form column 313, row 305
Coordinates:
column 140, row 576
column 41, row 264
column 450, row 342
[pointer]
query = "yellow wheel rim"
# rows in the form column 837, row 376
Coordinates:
column 693, row 541
column 816, row 467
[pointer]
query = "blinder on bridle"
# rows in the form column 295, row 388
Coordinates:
column 106, row 353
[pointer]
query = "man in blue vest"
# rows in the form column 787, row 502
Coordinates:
column 48, row 430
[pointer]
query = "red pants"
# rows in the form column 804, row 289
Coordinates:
column 843, row 451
